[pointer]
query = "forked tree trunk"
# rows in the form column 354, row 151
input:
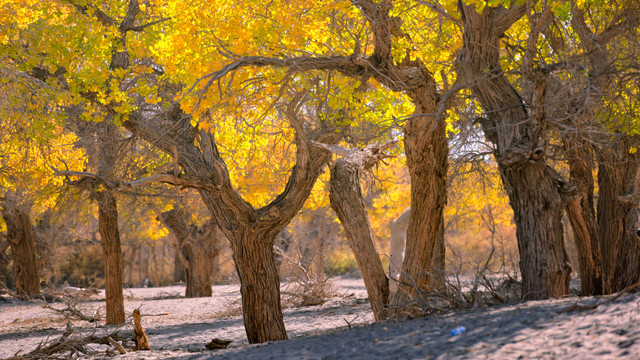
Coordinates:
column 201, row 251
column 347, row 201
column 22, row 239
column 112, row 252
column 581, row 213
column 530, row 184
column 199, row 247
column 618, row 213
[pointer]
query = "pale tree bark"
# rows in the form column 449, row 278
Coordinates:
column 347, row 201
column 312, row 255
column 22, row 240
column 398, row 229
column 531, row 185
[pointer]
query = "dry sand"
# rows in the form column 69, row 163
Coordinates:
column 342, row 328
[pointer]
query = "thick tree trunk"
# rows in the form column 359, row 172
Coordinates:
column 426, row 149
column 112, row 251
column 347, row 201
column 530, row 184
column 22, row 239
column 201, row 251
column 259, row 285
column 537, row 209
column 618, row 217
column 581, row 213
column 199, row 247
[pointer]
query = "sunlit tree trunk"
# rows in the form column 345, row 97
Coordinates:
column 259, row 285
column 347, row 201
column 21, row 237
column 426, row 148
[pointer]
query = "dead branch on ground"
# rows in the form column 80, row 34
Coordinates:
column 68, row 346
column 580, row 307
column 72, row 300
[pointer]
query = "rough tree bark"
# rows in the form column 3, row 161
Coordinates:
column 427, row 151
column 532, row 186
column 618, row 196
column 608, row 245
column 581, row 213
column 199, row 246
column 112, row 252
column 21, row 237
column 347, row 201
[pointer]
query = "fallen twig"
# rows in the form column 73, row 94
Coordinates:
column 121, row 350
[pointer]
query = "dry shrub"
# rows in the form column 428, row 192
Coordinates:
column 484, row 288
column 304, row 288
column 73, row 298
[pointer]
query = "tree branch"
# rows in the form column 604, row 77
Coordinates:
column 179, row 180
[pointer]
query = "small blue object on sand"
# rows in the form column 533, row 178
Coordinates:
column 459, row 330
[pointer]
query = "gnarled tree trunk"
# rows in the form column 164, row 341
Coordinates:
column 531, row 185
column 199, row 247
column 426, row 148
column 21, row 237
column 618, row 177
column 581, row 214
column 347, row 201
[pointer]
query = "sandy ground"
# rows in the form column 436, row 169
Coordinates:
column 342, row 328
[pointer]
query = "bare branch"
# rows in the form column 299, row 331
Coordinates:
column 336, row 149
column 179, row 180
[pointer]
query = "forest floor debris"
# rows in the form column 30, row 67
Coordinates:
column 338, row 329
